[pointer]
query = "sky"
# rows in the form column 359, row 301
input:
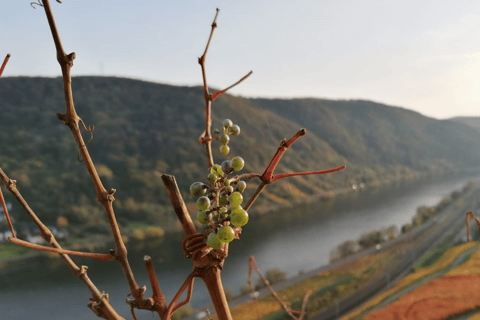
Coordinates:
column 420, row 55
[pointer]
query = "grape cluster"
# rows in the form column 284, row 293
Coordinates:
column 228, row 129
column 220, row 201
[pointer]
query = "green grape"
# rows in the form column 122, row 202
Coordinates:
column 223, row 213
column 216, row 131
column 236, row 199
column 237, row 163
column 235, row 130
column 229, row 189
column 226, row 183
column 225, row 234
column 213, row 241
column 239, row 217
column 224, row 150
column 216, row 169
column 227, row 166
column 223, row 200
column 203, row 217
column 223, row 210
column 241, row 186
column 227, row 123
column 197, row 189
column 212, row 178
column 224, row 139
column 203, row 203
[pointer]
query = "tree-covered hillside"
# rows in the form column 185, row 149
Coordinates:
column 145, row 129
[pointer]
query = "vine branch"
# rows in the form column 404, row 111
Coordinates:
column 4, row 63
column 267, row 176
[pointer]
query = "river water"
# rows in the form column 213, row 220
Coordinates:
column 291, row 239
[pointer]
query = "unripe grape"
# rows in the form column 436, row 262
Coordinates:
column 239, row 217
column 235, row 130
column 223, row 200
column 223, row 210
column 216, row 131
column 216, row 169
column 241, row 186
column 203, row 217
column 213, row 241
column 237, row 163
column 226, row 183
column 203, row 203
column 236, row 199
column 212, row 178
column 225, row 234
column 227, row 123
column 224, row 139
column 229, row 189
column 224, row 150
column 197, row 189
column 227, row 166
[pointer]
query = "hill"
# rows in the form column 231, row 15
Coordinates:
column 473, row 122
column 144, row 129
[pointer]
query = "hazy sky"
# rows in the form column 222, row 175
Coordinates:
column 421, row 55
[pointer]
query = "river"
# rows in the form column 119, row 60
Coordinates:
column 292, row 239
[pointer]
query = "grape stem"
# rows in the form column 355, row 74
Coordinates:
column 4, row 64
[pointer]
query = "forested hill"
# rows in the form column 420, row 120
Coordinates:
column 473, row 122
column 144, row 129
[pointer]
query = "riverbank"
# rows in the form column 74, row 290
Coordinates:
column 340, row 280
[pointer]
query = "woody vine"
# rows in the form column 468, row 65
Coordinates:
column 220, row 205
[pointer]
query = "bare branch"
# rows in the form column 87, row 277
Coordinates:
column 286, row 175
column 4, row 64
column 71, row 119
column 178, row 204
column 7, row 216
column 100, row 303
column 219, row 93
column 267, row 176
column 255, row 195
column 157, row 295
column 469, row 215
column 99, row 256
column 208, row 98
column 187, row 283
column 252, row 266
column 284, row 145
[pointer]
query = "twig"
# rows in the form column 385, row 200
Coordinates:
column 207, row 96
column 469, row 215
column 157, row 294
column 219, row 93
column 187, row 283
column 4, row 64
column 252, row 266
column 99, row 256
column 5, row 211
column 267, row 176
column 178, row 204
